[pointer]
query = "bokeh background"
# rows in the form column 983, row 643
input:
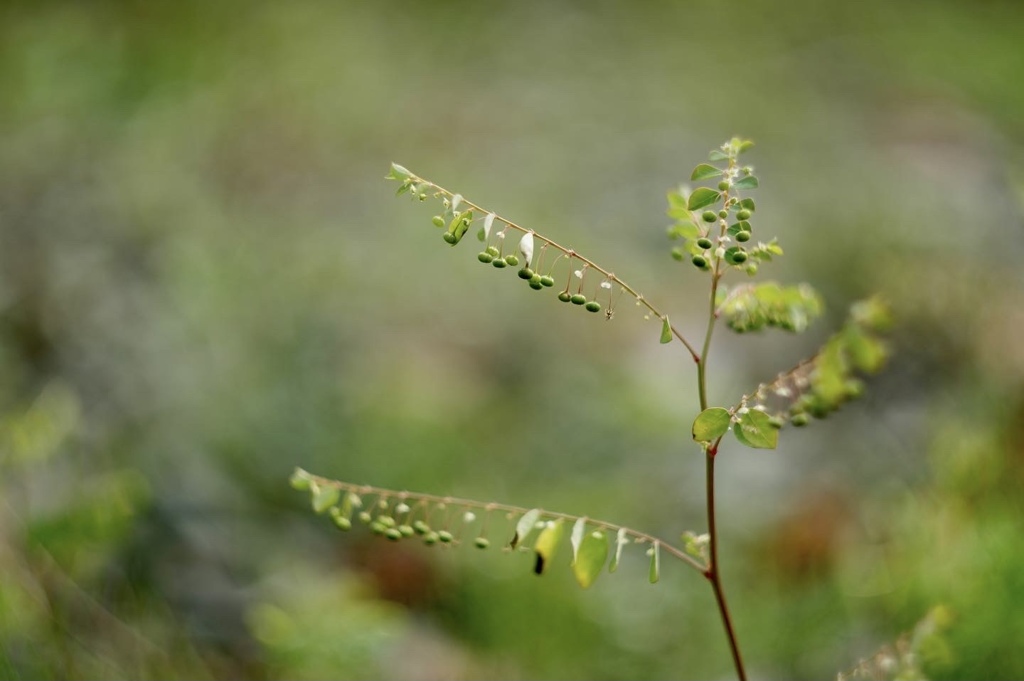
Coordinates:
column 205, row 281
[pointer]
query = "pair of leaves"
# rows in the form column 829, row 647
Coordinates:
column 752, row 428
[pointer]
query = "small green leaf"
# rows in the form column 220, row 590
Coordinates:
column 748, row 182
column 655, row 571
column 744, row 145
column 754, row 429
column 866, row 352
column 711, row 424
column 323, row 497
column 701, row 197
column 717, row 155
column 299, row 480
column 524, row 527
column 590, row 558
column 398, row 173
column 547, row 543
column 666, row 330
column 747, row 203
column 620, row 541
column 705, row 170
column 576, row 538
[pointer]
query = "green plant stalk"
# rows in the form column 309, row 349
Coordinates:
column 712, row 573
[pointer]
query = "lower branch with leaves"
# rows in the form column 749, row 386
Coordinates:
column 714, row 226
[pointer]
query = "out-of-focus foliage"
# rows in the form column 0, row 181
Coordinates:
column 205, row 282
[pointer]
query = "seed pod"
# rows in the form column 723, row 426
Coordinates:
column 535, row 284
column 578, row 299
column 739, row 256
column 406, row 530
column 499, row 263
column 593, row 306
column 450, row 238
column 445, row 536
column 438, row 221
column 547, row 280
column 724, row 185
column 564, row 296
column 704, row 243
column 431, row 538
column 526, row 273
column 365, row 517
column 485, row 257
column 723, row 214
column 699, row 261
column 482, row 542
column 393, row 534
column 709, row 216
column 742, row 236
column 799, row 420
column 420, row 527
column 493, row 250
column 511, row 260
column 677, row 254
column 743, row 214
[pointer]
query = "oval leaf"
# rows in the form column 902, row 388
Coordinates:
column 755, row 429
column 524, row 527
column 546, row 544
column 705, row 170
column 323, row 497
column 666, row 330
column 748, row 182
column 590, row 558
column 711, row 424
column 620, row 541
column 701, row 197
column 576, row 538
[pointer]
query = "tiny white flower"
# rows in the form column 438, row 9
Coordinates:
column 456, row 200
column 578, row 274
column 468, row 517
column 402, row 508
column 488, row 221
column 526, row 247
column 501, row 234
column 606, row 284
column 719, row 252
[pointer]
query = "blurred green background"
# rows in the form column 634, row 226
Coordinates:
column 205, row 281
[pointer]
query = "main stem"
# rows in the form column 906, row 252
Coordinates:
column 713, row 574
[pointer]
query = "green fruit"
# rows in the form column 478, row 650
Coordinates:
column 677, row 253
column 724, row 185
column 386, row 521
column 709, row 216
column 547, row 280
column 499, row 263
column 752, row 269
column 378, row 528
column 578, row 299
column 343, row 523
column 511, row 260
column 723, row 214
column 450, row 238
column 743, row 214
column 699, row 261
column 393, row 534
column 482, row 542
column 742, row 236
column 406, row 530
column 493, row 250
column 799, row 420
column 431, row 538
column 535, row 284
column 593, row 306
column 704, row 242
column 525, row 273
column 484, row 257
column 420, row 527
column 365, row 517
column 445, row 536
column 564, row 296
column 776, row 422
column 739, row 256
column 438, row 221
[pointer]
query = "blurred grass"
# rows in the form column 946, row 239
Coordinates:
column 204, row 282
